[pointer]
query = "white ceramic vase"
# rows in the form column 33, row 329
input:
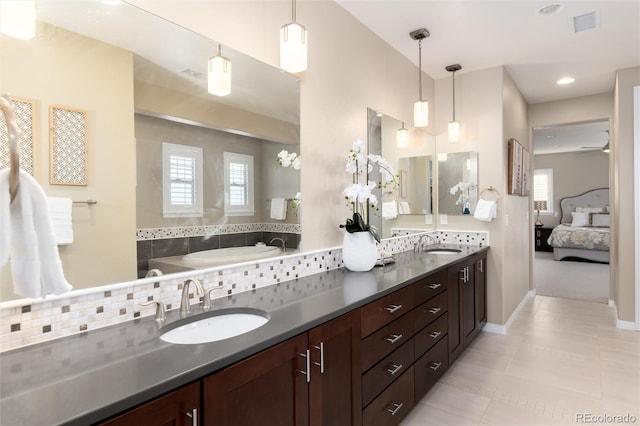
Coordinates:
column 359, row 251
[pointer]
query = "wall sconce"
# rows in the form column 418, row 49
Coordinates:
column 403, row 137
column 539, row 205
column 421, row 107
column 18, row 18
column 219, row 75
column 454, row 126
column 293, row 45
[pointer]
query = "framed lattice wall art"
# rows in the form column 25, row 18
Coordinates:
column 68, row 146
column 23, row 110
column 515, row 167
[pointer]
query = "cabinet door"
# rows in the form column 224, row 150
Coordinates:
column 267, row 388
column 178, row 408
column 468, row 304
column 456, row 277
column 335, row 384
column 480, row 282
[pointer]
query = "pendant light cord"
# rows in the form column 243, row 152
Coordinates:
column 293, row 10
column 454, row 96
column 420, row 68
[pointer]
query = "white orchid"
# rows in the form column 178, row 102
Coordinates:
column 286, row 159
column 464, row 188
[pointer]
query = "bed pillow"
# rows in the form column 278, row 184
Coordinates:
column 589, row 209
column 580, row 219
column 600, row 220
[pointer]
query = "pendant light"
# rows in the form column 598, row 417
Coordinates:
column 18, row 18
column 403, row 137
column 421, row 107
column 293, row 44
column 454, row 126
column 219, row 74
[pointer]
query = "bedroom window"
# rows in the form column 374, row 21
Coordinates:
column 543, row 188
column 181, row 181
column 238, row 184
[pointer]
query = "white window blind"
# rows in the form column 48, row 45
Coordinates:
column 543, row 187
column 238, row 174
column 182, row 180
column 182, row 175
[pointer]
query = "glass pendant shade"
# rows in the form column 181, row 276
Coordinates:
column 454, row 131
column 403, row 137
column 421, row 114
column 18, row 18
column 219, row 76
column 293, row 48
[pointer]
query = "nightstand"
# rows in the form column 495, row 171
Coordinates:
column 542, row 235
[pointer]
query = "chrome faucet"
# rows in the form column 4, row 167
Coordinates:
column 153, row 273
column 428, row 237
column 284, row 246
column 207, row 297
column 161, row 314
column 185, row 307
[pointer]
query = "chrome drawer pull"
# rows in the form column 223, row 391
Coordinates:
column 435, row 366
column 392, row 308
column 394, row 368
column 393, row 338
column 308, row 366
column 435, row 334
column 434, row 286
column 434, row 310
column 395, row 409
column 193, row 415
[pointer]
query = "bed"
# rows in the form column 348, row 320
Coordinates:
column 583, row 232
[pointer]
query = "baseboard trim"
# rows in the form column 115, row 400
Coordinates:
column 612, row 303
column 502, row 329
column 627, row 325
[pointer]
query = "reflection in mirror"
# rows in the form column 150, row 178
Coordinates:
column 142, row 82
column 408, row 207
column 457, row 183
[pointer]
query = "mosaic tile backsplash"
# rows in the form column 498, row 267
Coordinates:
column 26, row 322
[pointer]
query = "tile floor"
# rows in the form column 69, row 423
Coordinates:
column 559, row 360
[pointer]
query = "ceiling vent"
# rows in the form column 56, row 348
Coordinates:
column 193, row 73
column 587, row 21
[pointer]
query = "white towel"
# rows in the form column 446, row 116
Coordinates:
column 485, row 210
column 60, row 209
column 404, row 207
column 389, row 210
column 279, row 208
column 35, row 262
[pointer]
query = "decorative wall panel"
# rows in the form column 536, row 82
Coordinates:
column 23, row 110
column 68, row 150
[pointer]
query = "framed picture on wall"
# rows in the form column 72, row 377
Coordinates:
column 526, row 173
column 515, row 167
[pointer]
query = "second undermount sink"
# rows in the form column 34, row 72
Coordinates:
column 214, row 326
column 443, row 251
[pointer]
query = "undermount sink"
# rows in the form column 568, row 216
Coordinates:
column 443, row 251
column 214, row 326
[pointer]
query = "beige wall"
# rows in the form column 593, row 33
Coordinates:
column 573, row 173
column 623, row 215
column 575, row 110
column 42, row 70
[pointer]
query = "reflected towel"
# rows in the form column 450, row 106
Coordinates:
column 389, row 210
column 60, row 209
column 279, row 208
column 485, row 210
column 35, row 262
column 404, row 207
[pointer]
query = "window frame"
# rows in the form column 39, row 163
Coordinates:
column 195, row 209
column 550, row 204
column 247, row 209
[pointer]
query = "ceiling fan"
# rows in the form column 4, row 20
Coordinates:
column 604, row 148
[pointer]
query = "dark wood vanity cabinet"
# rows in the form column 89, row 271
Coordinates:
column 306, row 380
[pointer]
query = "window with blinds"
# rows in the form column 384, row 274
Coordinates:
column 182, row 180
column 543, row 187
column 238, row 173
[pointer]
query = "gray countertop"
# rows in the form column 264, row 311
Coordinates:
column 89, row 377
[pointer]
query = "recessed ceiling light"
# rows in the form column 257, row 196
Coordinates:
column 566, row 80
column 550, row 9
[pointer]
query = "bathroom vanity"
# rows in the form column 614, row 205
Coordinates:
column 342, row 348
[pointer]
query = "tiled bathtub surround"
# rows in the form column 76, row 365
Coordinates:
column 25, row 322
column 208, row 230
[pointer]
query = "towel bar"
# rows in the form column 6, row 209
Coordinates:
column 490, row 189
column 89, row 202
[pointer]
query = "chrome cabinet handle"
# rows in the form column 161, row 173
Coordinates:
column 435, row 366
column 393, row 338
column 193, row 415
column 308, row 366
column 481, row 265
column 394, row 368
column 395, row 408
column 392, row 308
column 434, row 286
column 434, row 310
column 321, row 363
column 435, row 334
column 464, row 275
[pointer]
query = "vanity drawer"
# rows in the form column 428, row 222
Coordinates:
column 430, row 335
column 384, row 341
column 428, row 287
column 386, row 371
column 381, row 312
column 430, row 367
column 392, row 405
column 430, row 310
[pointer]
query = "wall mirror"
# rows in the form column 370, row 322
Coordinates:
column 142, row 82
column 411, row 152
column 457, row 183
